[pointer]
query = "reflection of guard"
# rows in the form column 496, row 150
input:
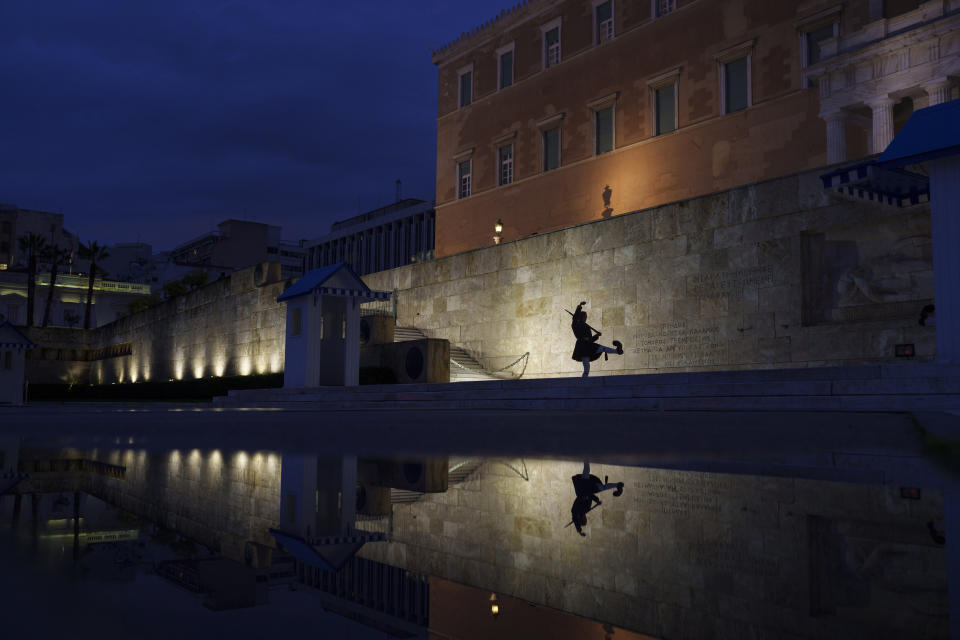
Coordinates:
column 587, row 487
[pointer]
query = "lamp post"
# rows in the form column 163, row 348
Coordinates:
column 497, row 229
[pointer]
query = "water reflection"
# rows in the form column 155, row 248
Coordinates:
column 400, row 543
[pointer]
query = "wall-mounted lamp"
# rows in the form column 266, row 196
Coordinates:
column 497, row 229
column 494, row 606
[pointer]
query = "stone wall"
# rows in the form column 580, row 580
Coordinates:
column 688, row 555
column 226, row 501
column 776, row 274
column 233, row 326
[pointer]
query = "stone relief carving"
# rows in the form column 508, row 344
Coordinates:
column 886, row 278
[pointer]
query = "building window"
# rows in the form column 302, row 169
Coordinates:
column 551, row 43
column 505, row 66
column 736, row 85
column 603, row 19
column 8, row 360
column 465, row 83
column 662, row 7
column 5, row 228
column 505, row 164
column 603, row 124
column 551, row 149
column 464, row 178
column 813, row 39
column 665, row 108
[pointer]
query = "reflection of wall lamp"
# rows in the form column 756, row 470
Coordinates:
column 494, row 606
column 497, row 229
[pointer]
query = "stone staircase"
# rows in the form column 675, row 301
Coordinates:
column 460, row 469
column 877, row 387
column 463, row 366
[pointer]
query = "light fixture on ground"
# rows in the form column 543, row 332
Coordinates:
column 497, row 229
column 494, row 606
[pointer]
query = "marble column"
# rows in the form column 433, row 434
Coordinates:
column 882, row 123
column 836, row 137
column 939, row 91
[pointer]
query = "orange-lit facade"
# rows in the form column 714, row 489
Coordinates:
column 560, row 112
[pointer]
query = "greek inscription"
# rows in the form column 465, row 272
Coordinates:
column 719, row 284
column 679, row 495
column 677, row 344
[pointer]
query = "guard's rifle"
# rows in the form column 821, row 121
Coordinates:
column 592, row 507
column 588, row 326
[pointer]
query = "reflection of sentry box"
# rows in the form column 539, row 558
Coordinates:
column 318, row 495
column 323, row 327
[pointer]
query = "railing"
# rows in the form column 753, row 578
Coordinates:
column 383, row 588
column 63, row 465
column 380, row 307
column 83, row 282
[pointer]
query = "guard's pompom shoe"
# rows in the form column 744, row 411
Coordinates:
column 619, row 490
column 619, row 346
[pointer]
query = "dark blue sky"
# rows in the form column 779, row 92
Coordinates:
column 154, row 121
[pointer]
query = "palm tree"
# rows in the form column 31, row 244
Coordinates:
column 56, row 256
column 33, row 245
column 94, row 253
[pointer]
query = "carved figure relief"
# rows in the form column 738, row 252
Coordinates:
column 886, row 278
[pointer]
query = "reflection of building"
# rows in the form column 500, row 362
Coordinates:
column 381, row 239
column 237, row 244
column 561, row 112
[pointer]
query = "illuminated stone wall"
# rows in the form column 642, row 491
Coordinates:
column 777, row 274
column 688, row 555
column 226, row 501
column 233, row 326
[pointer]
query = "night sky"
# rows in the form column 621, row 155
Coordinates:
column 154, row 121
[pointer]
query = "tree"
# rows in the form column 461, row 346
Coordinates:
column 55, row 256
column 94, row 253
column 175, row 288
column 195, row 279
column 33, row 245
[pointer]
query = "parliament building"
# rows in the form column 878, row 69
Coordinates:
column 561, row 112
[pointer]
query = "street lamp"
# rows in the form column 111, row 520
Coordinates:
column 497, row 229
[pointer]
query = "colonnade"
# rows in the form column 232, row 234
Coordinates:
column 378, row 247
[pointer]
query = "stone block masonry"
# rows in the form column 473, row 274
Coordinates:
column 688, row 555
column 233, row 326
column 775, row 274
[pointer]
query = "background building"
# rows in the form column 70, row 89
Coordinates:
column 238, row 243
column 560, row 112
column 385, row 238
column 16, row 223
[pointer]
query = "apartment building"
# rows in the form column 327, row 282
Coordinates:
column 559, row 112
column 238, row 243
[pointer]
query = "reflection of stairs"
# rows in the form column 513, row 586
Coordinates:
column 463, row 366
column 459, row 470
